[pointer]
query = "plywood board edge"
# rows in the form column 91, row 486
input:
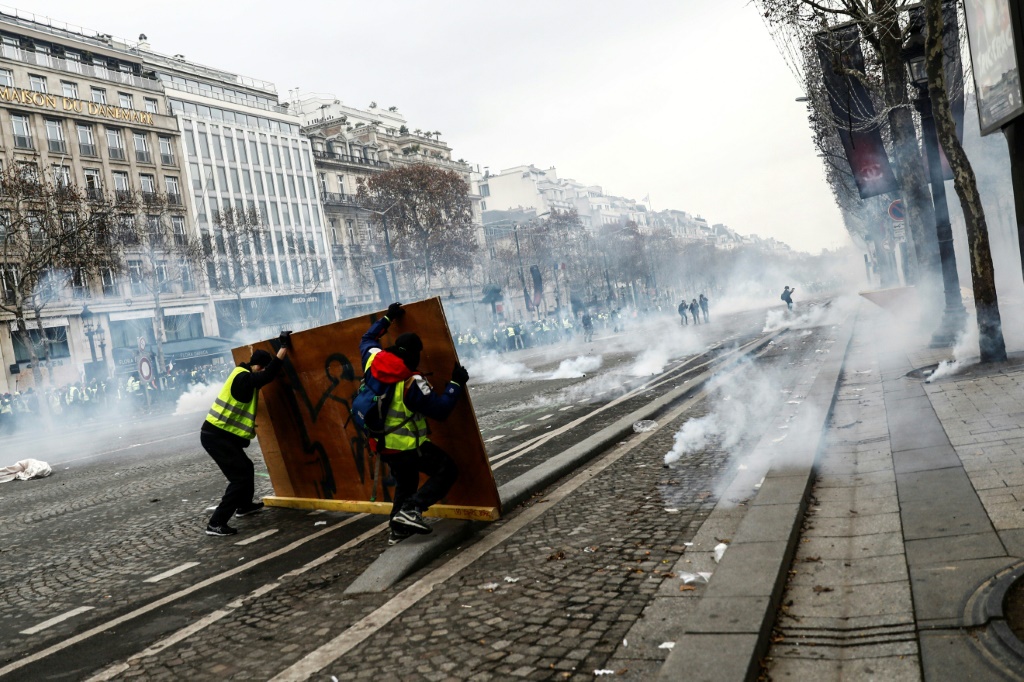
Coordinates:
column 438, row 511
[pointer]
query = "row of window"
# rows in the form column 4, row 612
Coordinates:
column 221, row 142
column 72, row 60
column 56, row 140
column 217, row 114
column 211, row 90
column 69, row 89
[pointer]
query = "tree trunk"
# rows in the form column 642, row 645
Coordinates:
column 159, row 333
column 37, row 375
column 907, row 159
column 986, row 301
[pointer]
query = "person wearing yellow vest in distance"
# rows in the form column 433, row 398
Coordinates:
column 228, row 429
column 407, row 449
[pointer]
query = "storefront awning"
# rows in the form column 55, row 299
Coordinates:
column 190, row 349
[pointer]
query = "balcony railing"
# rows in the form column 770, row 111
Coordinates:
column 173, row 199
column 23, row 142
column 78, row 68
column 116, row 153
column 87, row 149
column 143, row 156
column 345, row 158
column 94, row 193
column 150, row 197
column 339, row 199
column 123, row 195
column 168, row 160
column 57, row 146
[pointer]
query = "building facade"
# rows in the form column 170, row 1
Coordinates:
column 245, row 151
column 85, row 110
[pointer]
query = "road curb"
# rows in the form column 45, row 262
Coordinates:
column 407, row 556
column 728, row 633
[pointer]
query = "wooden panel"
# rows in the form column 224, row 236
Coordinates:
column 303, row 423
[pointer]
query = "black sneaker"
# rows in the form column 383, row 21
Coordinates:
column 412, row 520
column 255, row 508
column 397, row 535
column 221, row 530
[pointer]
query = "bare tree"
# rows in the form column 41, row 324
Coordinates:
column 236, row 253
column 160, row 254
column 52, row 237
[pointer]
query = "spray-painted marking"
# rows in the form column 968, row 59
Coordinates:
column 403, row 601
column 212, row 618
column 547, row 416
column 521, row 427
column 494, row 438
column 174, row 571
column 56, row 619
column 152, row 606
column 256, row 538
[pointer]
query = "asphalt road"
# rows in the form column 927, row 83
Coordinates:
column 107, row 556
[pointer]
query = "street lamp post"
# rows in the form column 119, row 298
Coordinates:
column 953, row 315
column 89, row 329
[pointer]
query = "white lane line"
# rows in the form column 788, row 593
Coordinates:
column 255, row 538
column 131, row 447
column 521, row 427
column 494, row 438
column 212, row 618
column 547, row 416
column 152, row 606
column 567, row 407
column 359, row 631
column 174, row 571
column 56, row 619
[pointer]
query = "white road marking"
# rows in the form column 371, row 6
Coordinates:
column 110, row 452
column 494, row 438
column 255, row 538
column 547, row 416
column 174, row 571
column 358, row 632
column 212, row 618
column 56, row 619
column 567, row 407
column 152, row 606
column 521, row 427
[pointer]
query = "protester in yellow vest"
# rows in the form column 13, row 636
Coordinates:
column 407, row 449
column 228, row 429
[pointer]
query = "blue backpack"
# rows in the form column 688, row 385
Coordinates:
column 370, row 408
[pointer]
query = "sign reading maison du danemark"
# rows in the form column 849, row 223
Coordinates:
column 39, row 99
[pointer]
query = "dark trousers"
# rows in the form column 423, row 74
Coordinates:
column 238, row 469
column 406, row 468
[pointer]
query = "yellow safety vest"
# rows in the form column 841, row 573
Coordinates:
column 234, row 416
column 403, row 429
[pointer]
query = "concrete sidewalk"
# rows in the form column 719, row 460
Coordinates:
column 914, row 527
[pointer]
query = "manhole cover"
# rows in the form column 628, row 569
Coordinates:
column 1013, row 608
column 922, row 372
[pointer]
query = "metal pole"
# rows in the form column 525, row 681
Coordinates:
column 1014, row 133
column 391, row 256
column 522, row 279
column 953, row 315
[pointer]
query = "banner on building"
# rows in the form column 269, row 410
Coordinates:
column 990, row 35
column 854, row 113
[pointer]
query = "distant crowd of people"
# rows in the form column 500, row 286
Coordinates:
column 116, row 396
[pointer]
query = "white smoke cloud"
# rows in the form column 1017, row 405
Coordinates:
column 198, row 398
column 576, row 368
column 965, row 352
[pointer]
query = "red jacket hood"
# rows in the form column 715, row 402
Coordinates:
column 389, row 368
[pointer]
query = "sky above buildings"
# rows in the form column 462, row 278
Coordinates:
column 685, row 101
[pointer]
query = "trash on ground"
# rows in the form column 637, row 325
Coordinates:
column 666, row 645
column 604, row 671
column 760, row 483
column 687, row 588
column 671, row 511
column 687, row 544
column 688, row 578
column 510, row 579
column 644, row 425
column 624, row 642
column 780, row 438
column 489, row 586
column 24, row 470
column 706, row 576
column 319, row 523
column 720, row 551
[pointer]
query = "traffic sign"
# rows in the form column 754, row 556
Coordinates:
column 899, row 232
column 896, row 211
column 145, row 369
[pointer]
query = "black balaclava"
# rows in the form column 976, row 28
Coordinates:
column 408, row 346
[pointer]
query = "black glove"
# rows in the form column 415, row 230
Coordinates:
column 395, row 311
column 459, row 375
column 285, row 339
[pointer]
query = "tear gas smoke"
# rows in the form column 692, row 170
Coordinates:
column 197, row 398
column 965, row 351
column 490, row 368
column 739, row 408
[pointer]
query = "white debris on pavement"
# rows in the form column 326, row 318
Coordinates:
column 25, row 470
column 604, row 672
column 644, row 425
column 510, row 579
column 320, row 523
column 489, row 586
column 666, row 645
column 720, row 551
column 671, row 511
column 688, row 578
